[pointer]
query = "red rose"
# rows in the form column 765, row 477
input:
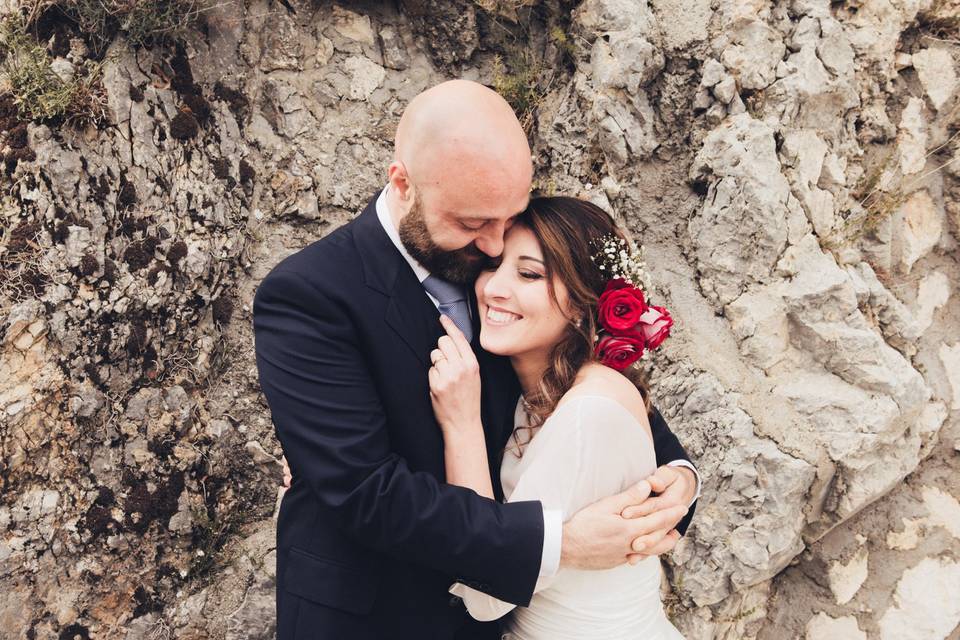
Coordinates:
column 619, row 352
column 655, row 324
column 620, row 307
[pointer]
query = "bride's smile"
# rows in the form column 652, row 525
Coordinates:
column 519, row 315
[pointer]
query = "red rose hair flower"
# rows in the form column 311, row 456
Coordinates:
column 621, row 306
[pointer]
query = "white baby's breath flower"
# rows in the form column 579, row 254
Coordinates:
column 622, row 259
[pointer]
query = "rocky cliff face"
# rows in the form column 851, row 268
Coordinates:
column 792, row 168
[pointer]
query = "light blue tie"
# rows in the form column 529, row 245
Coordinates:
column 453, row 302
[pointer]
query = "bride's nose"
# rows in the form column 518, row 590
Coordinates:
column 496, row 286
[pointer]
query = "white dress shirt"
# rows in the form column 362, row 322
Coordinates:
column 552, row 518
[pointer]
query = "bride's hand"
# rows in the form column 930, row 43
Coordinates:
column 455, row 382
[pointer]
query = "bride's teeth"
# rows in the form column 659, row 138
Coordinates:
column 501, row 317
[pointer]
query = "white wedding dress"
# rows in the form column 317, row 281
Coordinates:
column 589, row 448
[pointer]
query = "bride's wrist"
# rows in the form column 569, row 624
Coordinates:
column 467, row 430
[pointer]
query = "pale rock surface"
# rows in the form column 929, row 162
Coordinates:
column 825, row 627
column 747, row 194
column 937, row 75
column 847, row 578
column 950, row 357
column 944, row 510
column 906, row 539
column 753, row 52
column 915, row 615
column 917, row 227
column 933, row 292
column 913, row 138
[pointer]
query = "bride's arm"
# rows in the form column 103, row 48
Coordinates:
column 455, row 393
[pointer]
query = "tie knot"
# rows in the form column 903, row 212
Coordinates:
column 444, row 291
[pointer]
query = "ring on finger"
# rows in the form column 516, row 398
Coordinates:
column 436, row 356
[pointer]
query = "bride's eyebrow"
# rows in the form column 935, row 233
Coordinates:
column 530, row 258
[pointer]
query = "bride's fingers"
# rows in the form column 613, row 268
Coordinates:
column 461, row 342
column 449, row 349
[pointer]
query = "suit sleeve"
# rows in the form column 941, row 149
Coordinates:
column 668, row 449
column 332, row 428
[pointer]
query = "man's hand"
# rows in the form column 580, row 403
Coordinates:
column 674, row 486
column 287, row 476
column 599, row 537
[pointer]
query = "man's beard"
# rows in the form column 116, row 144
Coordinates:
column 461, row 266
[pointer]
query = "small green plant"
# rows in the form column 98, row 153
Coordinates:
column 563, row 42
column 143, row 22
column 38, row 91
column 520, row 85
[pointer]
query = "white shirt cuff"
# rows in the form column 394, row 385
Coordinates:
column 686, row 463
column 552, row 539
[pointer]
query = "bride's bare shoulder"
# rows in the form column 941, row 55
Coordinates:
column 598, row 380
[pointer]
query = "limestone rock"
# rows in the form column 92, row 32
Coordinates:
column 937, row 75
column 932, row 293
column 365, row 77
column 950, row 358
column 737, row 232
column 753, row 53
column 914, row 614
column 917, row 227
column 824, row 627
column 847, row 578
column 744, row 472
column 912, row 139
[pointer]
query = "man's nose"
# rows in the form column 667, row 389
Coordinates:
column 490, row 240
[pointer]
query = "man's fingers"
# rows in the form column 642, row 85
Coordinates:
column 662, row 478
column 654, row 504
column 635, row 494
column 665, row 545
column 645, row 542
column 664, row 519
column 639, row 510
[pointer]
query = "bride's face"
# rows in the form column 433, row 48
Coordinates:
column 517, row 313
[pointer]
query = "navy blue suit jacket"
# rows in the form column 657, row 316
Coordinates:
column 369, row 536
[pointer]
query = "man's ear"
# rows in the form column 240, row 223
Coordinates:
column 399, row 180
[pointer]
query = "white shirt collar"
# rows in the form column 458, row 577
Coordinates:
column 383, row 214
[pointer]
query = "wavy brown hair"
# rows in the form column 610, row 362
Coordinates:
column 569, row 231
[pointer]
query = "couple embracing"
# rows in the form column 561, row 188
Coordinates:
column 449, row 375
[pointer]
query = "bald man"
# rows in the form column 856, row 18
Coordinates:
column 369, row 537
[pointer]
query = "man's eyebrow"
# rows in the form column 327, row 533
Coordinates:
column 480, row 218
column 530, row 258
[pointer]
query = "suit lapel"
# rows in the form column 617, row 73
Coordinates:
column 410, row 313
column 413, row 317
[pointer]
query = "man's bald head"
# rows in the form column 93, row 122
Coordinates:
column 464, row 123
column 462, row 166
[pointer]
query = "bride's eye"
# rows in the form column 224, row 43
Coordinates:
column 530, row 275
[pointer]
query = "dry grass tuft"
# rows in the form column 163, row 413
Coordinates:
column 41, row 94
